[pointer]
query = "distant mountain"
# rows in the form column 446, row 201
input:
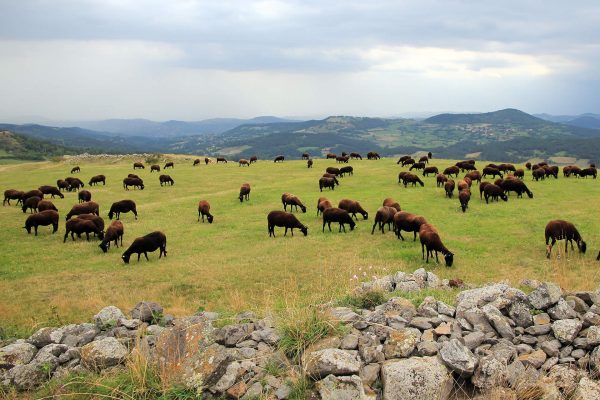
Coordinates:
column 21, row 147
column 506, row 116
column 588, row 120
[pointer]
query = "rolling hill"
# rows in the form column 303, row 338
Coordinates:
column 20, row 147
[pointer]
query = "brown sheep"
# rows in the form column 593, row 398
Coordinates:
column 453, row 170
column 84, row 208
column 464, row 196
column 170, row 164
column 495, row 192
column 122, row 206
column 401, row 159
column 51, row 190
column 482, row 186
column 506, row 167
column 221, row 159
column 337, row 215
column 74, row 183
column 322, row 204
column 286, row 220
column 166, row 180
column 32, row 193
column 346, row 170
column 288, row 199
column 372, row 155
column 353, row 207
column 305, row 156
column 528, row 165
column 62, row 185
column 244, row 192
column 331, row 156
column 355, row 156
column 31, row 203
column 42, row 218
column 135, row 182
column 333, row 170
column 418, row 165
column 279, row 159
column 83, row 196
column 326, row 183
column 538, row 174
column 204, row 209
column 430, row 241
column 79, row 226
column 332, row 176
column 474, row 176
column 114, row 232
column 449, row 188
column 138, row 165
column 465, row 166
column 75, row 169
column 408, row 161
column 253, row 159
column 559, row 230
column 44, row 205
column 591, row 171
column 389, row 202
column 243, row 161
column 412, row 178
column 97, row 220
column 342, row 159
column 430, row 170
column 517, row 186
column 491, row 171
column 462, row 185
column 13, row 194
column 404, row 221
column 309, row 163
column 95, row 180
column 574, row 170
column 384, row 215
column 155, row 167
column 519, row 173
column 551, row 171
column 401, row 176
column 441, row 179
column 206, row 160
column 196, row 162
column 133, row 176
column 424, row 159
column 151, row 242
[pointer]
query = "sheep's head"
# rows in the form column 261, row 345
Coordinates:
column 125, row 257
column 582, row 246
column 530, row 194
column 449, row 257
column 104, row 246
column 303, row 208
column 365, row 215
column 110, row 214
column 304, row 230
column 352, row 224
column 504, row 197
column 101, row 235
column 210, row 219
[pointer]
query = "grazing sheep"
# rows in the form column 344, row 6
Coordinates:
column 133, row 176
column 517, row 186
column 372, row 155
column 155, row 167
column 322, row 204
column 528, row 165
column 463, row 184
column 221, row 159
column 412, row 178
column 95, row 180
column 331, row 156
column 79, row 226
column 44, row 205
column 401, row 176
column 344, row 154
column 538, row 174
column 122, row 206
column 243, row 161
column 441, row 179
column 84, row 208
column 453, row 170
column 449, row 188
column 408, row 161
column 169, row 165
column 337, row 215
column 13, row 194
column 333, row 170
column 575, row 170
column 32, row 193
column 207, row 160
column 506, row 167
column 482, row 186
column 464, row 196
column 418, row 165
column 51, row 190
column 430, row 241
column 535, row 166
column 62, row 185
column 278, row 159
column 430, row 170
column 309, row 163
column 244, row 192
column 84, row 195
column 75, row 169
column 551, row 171
column 491, row 171
column 305, row 156
column 166, row 180
column 495, row 192
column 346, row 170
column 149, row 243
column 113, row 234
column 558, row 230
column 204, row 209
column 135, row 182
column 389, row 202
column 332, row 176
column 591, row 171
column 465, row 166
column 326, row 183
column 285, row 220
column 474, row 176
column 196, row 162
column 430, row 155
column 404, row 221
column 342, row 159
column 42, row 218
column 519, row 173
column 292, row 201
column 253, row 159
column 355, row 156
column 31, row 203
column 97, row 220
column 353, row 207
column 74, row 183
column 383, row 216
column 401, row 159
column 424, row 159
column 138, row 165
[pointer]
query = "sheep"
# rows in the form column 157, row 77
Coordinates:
column 278, row 159
column 305, row 156
column 344, row 154
column 574, row 170
column 558, row 230
column 463, row 184
column 506, row 167
column 384, row 215
column 244, row 192
column 430, row 170
column 221, row 159
column 84, row 208
column 204, row 209
column 243, row 161
column 62, row 185
column 495, row 192
column 322, row 204
column 542, row 164
column 535, row 166
column 342, row 159
column 31, row 203
column 133, row 176
column 551, row 171
column 401, row 159
column 79, row 226
column 491, row 171
column 355, row 156
column 122, row 206
column 482, row 186
column 449, row 188
column 517, row 186
column 135, row 182
column 292, row 201
column 42, row 218
column 253, row 159
column 519, row 173
column 95, row 180
column 113, row 234
column 337, row 215
column 309, row 163
column 408, row 161
column 389, row 202
column 346, row 170
column 412, row 178
column 332, row 176
column 285, row 220
column 441, row 179
column 97, row 220
column 155, row 167
column 166, row 180
column 51, row 190
column 401, row 176
column 149, row 243
column 372, row 155
column 528, row 165
column 196, row 162
column 430, row 155
column 32, row 193
column 326, row 183
column 333, row 170
column 83, row 196
column 453, row 170
column 464, row 196
column 495, row 166
column 74, row 183
column 44, row 205
column 206, row 160
column 465, row 166
column 538, row 174
column 75, row 169
column 331, row 156
column 591, row 171
column 430, row 241
column 353, row 207
column 404, row 221
column 13, row 194
column 138, row 165
column 170, row 164
column 418, row 165
column 474, row 176
column 424, row 159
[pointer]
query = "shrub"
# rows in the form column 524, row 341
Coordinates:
column 366, row 300
column 153, row 158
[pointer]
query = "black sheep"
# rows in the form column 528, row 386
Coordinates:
column 279, row 159
column 430, row 170
column 149, row 243
column 204, row 209
column 417, row 165
column 13, row 194
column 154, row 167
column 292, row 201
column 404, row 221
column 431, row 241
column 495, row 192
column 449, row 188
column 346, row 170
column 89, row 207
column 384, row 215
column 244, row 192
column 353, row 207
column 42, row 218
column 94, row 180
column 123, row 206
column 135, row 182
column 412, row 178
column 31, row 203
column 464, row 196
column 286, row 220
column 44, row 205
column 79, row 226
column 558, row 230
column 169, row 165
column 51, row 190
column 138, row 165
column 113, row 234
column 166, row 180
column 337, row 215
column 84, row 195
column 326, row 183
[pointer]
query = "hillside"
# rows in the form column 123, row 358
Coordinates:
column 19, row 147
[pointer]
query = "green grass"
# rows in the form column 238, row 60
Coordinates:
column 233, row 265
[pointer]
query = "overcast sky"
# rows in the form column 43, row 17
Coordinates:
column 190, row 60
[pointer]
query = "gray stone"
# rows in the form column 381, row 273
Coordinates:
column 397, row 306
column 595, row 362
column 401, row 343
column 551, row 347
column 546, row 295
column 130, row 323
column 593, row 336
column 230, row 335
column 45, row 336
column 587, row 389
column 577, row 354
column 341, row 388
column 445, row 309
column 408, row 286
column 17, row 353
column 332, row 362
column 566, row 330
column 421, row 323
column 473, row 340
column 28, row 376
column 349, row 342
column 108, row 317
column 416, row 378
column 369, row 373
column 519, row 312
column 458, row 357
column 577, row 304
column 504, row 351
column 433, row 281
column 283, row 392
column 561, row 310
column 565, row 378
column 228, row 378
column 102, row 354
column 267, row 335
column 253, row 392
column 537, row 330
column 489, row 373
column 154, row 330
column 478, row 297
column 478, row 320
column 534, row 359
column 549, row 363
column 523, row 348
column 147, row 311
column 79, row 335
column 566, row 351
column 590, row 318
column 498, row 321
column 427, row 349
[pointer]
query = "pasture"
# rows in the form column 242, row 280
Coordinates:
column 233, row 265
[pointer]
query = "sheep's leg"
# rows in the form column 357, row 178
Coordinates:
column 73, row 235
column 329, row 225
column 285, row 233
column 292, row 229
column 35, row 227
column 139, row 254
column 373, row 230
column 423, row 251
column 415, row 236
column 323, row 230
column 436, row 257
column 146, row 255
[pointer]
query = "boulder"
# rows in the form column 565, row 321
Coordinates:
column 587, row 389
column 104, row 353
column 341, row 388
column 561, row 310
column 490, row 372
column 17, row 353
column 545, row 295
column 566, row 330
column 498, row 321
column 45, row 336
column 401, row 343
column 416, row 378
column 535, row 359
column 108, row 317
column 458, row 357
column 77, row 335
column 230, row 335
column 519, row 312
column 593, row 336
column 478, row 297
column 332, row 362
column 147, row 311
column 28, row 376
column 228, row 378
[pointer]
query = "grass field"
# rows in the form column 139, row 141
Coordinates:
column 234, row 265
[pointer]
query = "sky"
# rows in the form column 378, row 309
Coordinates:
column 193, row 59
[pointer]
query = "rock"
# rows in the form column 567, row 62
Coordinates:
column 147, row 311
column 428, row 308
column 341, row 388
column 587, row 389
column 155, row 330
column 541, row 319
column 519, row 312
column 254, row 392
column 549, row 363
column 332, row 362
column 401, row 343
column 398, row 306
column 45, row 336
column 283, row 392
column 595, row 362
column 458, row 357
column 416, row 378
column 504, row 351
column 343, row 314
column 408, row 286
column 238, row 390
column 48, row 356
column 421, row 323
column 473, row 340
column 28, row 376
column 445, row 309
column 108, row 317
column 498, row 321
column 551, row 347
column 230, row 335
column 561, row 310
column 17, row 353
column 565, row 378
column 104, row 353
column 593, row 336
column 433, row 281
column 369, row 373
column 130, row 323
column 489, row 372
column 268, row 336
column 535, row 359
column 566, row 330
column 478, row 320
column 79, row 335
column 427, row 349
column 228, row 378
column 443, row 329
column 475, row 298
column 537, row 330
column 349, row 342
column 577, row 304
column 545, row 295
